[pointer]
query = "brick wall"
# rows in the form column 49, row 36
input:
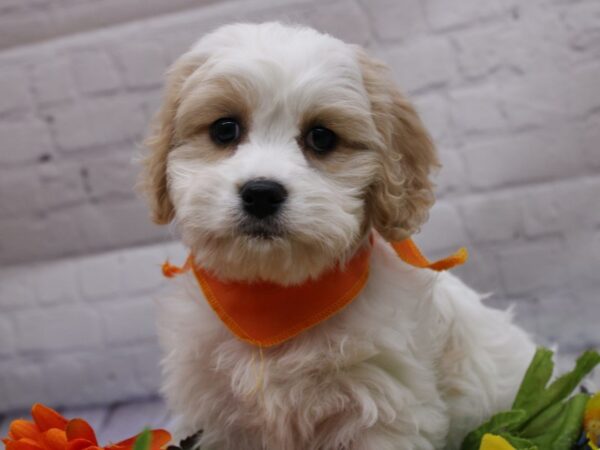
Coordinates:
column 509, row 89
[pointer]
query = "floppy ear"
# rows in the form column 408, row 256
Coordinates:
column 402, row 194
column 153, row 178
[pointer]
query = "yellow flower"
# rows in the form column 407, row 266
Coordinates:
column 493, row 442
column 591, row 420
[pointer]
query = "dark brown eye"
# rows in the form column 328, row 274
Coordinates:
column 321, row 140
column 225, row 131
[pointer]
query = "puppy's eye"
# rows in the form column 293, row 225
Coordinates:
column 225, row 131
column 321, row 140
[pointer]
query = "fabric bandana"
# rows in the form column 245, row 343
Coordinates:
column 266, row 314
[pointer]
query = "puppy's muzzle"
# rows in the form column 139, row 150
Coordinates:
column 262, row 198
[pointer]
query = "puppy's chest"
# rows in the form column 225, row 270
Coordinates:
column 369, row 361
column 274, row 392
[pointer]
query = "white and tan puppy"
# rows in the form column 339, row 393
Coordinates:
column 317, row 127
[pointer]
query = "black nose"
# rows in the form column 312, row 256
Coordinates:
column 262, row 198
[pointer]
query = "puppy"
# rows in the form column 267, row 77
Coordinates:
column 340, row 162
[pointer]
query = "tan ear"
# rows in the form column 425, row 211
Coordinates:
column 400, row 198
column 153, row 178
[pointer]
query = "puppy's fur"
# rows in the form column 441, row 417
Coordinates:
column 416, row 360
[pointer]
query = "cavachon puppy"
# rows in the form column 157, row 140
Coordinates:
column 289, row 162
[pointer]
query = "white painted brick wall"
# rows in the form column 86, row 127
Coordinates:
column 84, row 330
column 510, row 91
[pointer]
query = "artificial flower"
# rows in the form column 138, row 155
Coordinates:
column 51, row 431
column 494, row 442
column 591, row 421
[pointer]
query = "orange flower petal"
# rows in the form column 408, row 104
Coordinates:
column 55, row 439
column 9, row 445
column 80, row 429
column 32, row 441
column 79, row 444
column 127, row 444
column 160, row 438
column 25, row 444
column 117, row 447
column 20, row 429
column 47, row 418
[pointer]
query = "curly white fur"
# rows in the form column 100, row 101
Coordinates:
column 414, row 363
column 416, row 360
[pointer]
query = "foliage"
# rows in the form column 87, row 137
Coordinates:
column 543, row 416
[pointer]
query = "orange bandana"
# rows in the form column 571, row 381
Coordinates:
column 265, row 314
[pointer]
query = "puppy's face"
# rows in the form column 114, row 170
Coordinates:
column 277, row 150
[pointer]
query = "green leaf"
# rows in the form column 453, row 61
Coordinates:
column 498, row 424
column 541, row 423
column 536, row 378
column 541, row 418
column 564, row 386
column 143, row 441
column 535, row 398
column 564, row 432
column 519, row 443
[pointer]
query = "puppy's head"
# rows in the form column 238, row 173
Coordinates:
column 277, row 149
